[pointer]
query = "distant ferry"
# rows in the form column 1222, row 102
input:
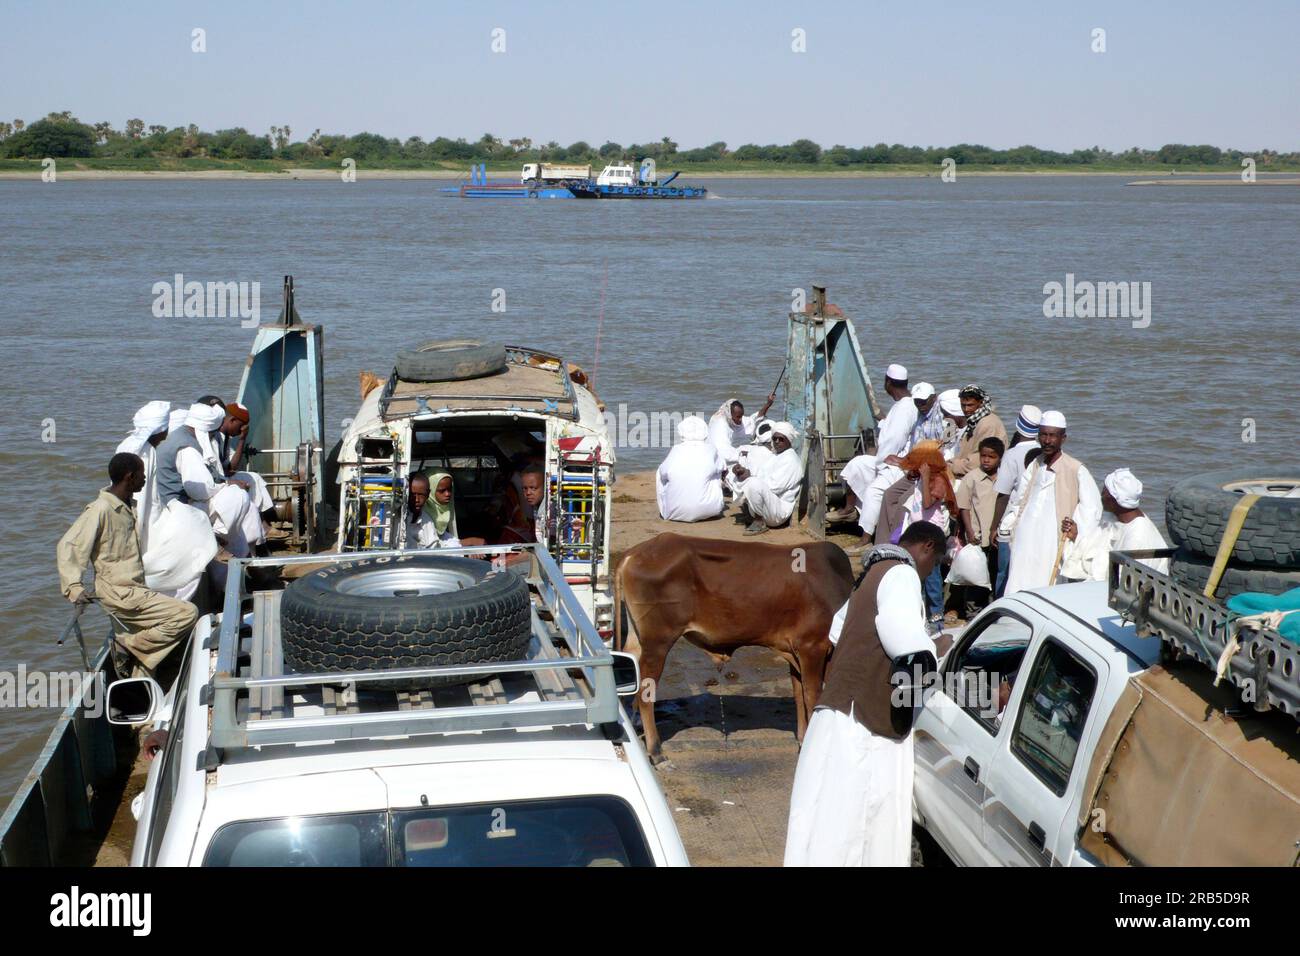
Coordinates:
column 575, row 181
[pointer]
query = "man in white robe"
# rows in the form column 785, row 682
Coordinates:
column 751, row 457
column 148, row 431
column 869, row 476
column 772, row 492
column 1123, row 527
column 730, row 427
column 851, row 804
column 1057, row 491
column 688, row 485
column 225, row 501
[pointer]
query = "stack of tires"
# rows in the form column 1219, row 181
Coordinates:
column 1266, row 555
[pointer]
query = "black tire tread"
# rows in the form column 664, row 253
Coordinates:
column 1196, row 513
column 1192, row 571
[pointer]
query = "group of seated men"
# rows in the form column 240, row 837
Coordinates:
column 178, row 500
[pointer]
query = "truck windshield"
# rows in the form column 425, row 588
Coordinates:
column 584, row 831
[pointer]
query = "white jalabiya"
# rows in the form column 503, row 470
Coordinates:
column 147, row 507
column 688, row 485
column 727, row 435
column 772, row 492
column 227, row 505
column 423, row 533
column 851, row 804
column 868, row 475
column 752, row 458
column 1037, row 530
column 1088, row 558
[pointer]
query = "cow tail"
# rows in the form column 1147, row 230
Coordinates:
column 619, row 642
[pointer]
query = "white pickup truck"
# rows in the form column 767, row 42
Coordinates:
column 528, row 759
column 1055, row 735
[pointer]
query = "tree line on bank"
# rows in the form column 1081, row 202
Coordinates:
column 63, row 135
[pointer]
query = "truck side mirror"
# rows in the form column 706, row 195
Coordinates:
column 133, row 701
column 627, row 674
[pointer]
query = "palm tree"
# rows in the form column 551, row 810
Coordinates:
column 18, row 125
column 5, row 130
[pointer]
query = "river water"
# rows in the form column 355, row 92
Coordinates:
column 672, row 306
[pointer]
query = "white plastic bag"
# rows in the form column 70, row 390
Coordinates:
column 970, row 567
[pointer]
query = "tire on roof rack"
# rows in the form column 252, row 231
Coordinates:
column 1192, row 571
column 1198, row 507
column 450, row 360
column 419, row 610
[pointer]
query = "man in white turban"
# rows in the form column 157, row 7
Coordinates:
column 148, row 431
column 751, row 456
column 954, row 421
column 868, row 476
column 771, row 491
column 1123, row 527
column 688, row 485
column 190, row 474
column 1057, row 499
column 730, row 427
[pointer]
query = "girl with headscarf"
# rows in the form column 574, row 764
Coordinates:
column 431, row 515
column 981, row 423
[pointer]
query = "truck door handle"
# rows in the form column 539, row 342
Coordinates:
column 972, row 769
column 1037, row 836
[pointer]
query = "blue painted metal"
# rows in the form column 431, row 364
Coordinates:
column 479, row 187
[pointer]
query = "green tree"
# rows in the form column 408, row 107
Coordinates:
column 49, row 138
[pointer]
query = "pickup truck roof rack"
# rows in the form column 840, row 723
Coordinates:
column 1266, row 667
column 565, row 678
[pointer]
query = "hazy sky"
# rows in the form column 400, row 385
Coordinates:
column 926, row 73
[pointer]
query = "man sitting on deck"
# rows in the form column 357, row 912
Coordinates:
column 730, row 427
column 772, row 491
column 688, row 485
column 104, row 536
column 149, row 430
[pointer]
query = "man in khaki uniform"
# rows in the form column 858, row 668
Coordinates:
column 105, row 536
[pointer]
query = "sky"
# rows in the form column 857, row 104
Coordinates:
column 934, row 73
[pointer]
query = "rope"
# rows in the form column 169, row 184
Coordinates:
column 1266, row 619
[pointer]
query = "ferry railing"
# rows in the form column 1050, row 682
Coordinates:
column 594, row 702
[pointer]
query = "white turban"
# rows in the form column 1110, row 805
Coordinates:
column 786, row 429
column 1124, row 487
column 897, row 372
column 148, row 421
column 693, row 428
column 922, row 391
column 177, row 418
column 763, row 432
column 1052, row 419
column 205, row 418
column 950, row 402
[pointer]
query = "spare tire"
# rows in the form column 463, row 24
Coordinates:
column 450, row 360
column 418, row 610
column 1193, row 571
column 1197, row 510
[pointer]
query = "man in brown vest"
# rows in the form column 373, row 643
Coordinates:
column 852, row 799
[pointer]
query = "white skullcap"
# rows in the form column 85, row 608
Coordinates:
column 786, row 429
column 897, row 373
column 922, row 390
column 693, row 428
column 1124, row 487
column 1052, row 419
column 950, row 402
column 205, row 418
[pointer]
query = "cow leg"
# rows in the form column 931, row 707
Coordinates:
column 654, row 652
column 812, row 669
column 800, row 712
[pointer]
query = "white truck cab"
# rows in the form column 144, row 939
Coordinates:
column 1005, row 741
column 531, row 763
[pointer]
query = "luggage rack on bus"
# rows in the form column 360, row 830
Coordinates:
column 565, row 678
column 1266, row 667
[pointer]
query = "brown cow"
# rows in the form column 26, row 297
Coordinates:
column 725, row 595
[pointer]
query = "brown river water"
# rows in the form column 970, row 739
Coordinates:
column 946, row 278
